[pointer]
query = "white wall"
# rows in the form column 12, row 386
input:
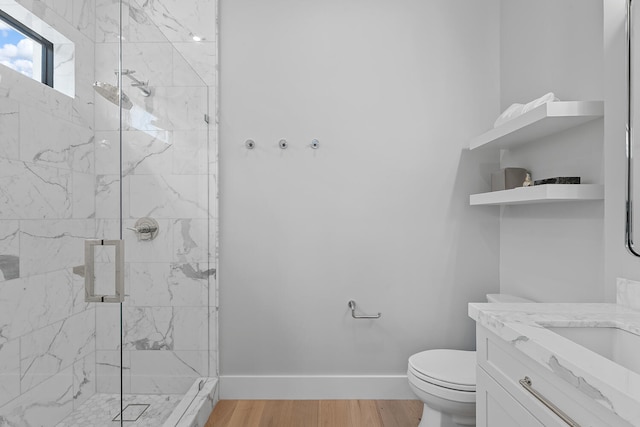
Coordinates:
column 379, row 214
column 554, row 252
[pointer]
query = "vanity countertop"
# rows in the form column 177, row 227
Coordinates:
column 523, row 326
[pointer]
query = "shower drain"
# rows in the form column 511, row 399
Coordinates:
column 132, row 412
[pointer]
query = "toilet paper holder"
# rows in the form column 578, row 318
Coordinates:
column 352, row 306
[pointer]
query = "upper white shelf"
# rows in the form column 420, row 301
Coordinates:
column 544, row 120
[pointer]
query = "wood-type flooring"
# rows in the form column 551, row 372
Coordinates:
column 316, row 413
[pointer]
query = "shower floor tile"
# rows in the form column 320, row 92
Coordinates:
column 101, row 409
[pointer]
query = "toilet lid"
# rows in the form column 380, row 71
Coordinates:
column 455, row 369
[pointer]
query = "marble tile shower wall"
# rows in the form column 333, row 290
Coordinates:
column 169, row 154
column 47, row 209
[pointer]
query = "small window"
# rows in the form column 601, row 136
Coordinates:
column 25, row 51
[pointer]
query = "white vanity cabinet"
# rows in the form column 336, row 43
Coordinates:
column 503, row 401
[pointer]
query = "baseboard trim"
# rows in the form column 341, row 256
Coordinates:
column 315, row 387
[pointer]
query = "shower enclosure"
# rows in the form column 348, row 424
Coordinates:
column 108, row 216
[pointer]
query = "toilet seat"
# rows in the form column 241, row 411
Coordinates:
column 420, row 386
column 451, row 369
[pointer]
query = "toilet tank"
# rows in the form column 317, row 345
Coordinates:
column 503, row 298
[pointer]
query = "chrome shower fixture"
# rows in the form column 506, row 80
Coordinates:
column 111, row 92
column 142, row 86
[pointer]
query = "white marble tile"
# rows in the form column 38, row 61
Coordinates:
column 82, row 111
column 107, row 153
column 107, row 327
column 213, row 220
column 190, row 152
column 64, row 8
column 27, row 304
column 109, row 229
column 47, row 351
column 148, row 328
column 141, row 27
column 202, row 58
column 147, row 59
column 108, row 371
column 142, row 152
column 214, row 295
column 108, row 197
column 49, row 245
column 156, row 250
column 179, row 23
column 9, row 371
column 190, row 331
column 103, row 407
column 33, row 192
column 205, row 403
column 150, row 61
column 196, row 405
column 168, row 108
column 34, row 94
column 166, row 371
column 169, row 196
column 9, row 128
column 178, row 108
column 628, row 293
column 77, row 291
column 84, row 17
column 191, row 241
column 64, row 70
column 83, row 195
column 183, row 72
column 105, row 271
column 84, row 379
column 107, row 20
column 45, row 405
column 47, row 140
column 164, row 285
column 9, row 250
column 213, row 342
column 145, row 328
column 149, row 152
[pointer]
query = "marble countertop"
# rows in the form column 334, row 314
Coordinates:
column 524, row 326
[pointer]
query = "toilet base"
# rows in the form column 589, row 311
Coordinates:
column 434, row 418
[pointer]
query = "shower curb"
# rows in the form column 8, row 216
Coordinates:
column 196, row 405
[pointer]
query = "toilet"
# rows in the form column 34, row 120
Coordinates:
column 445, row 381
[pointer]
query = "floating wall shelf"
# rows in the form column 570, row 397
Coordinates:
column 540, row 194
column 542, row 121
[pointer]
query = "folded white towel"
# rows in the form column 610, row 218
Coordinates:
column 516, row 110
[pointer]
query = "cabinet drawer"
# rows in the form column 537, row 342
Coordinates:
column 496, row 407
column 507, row 365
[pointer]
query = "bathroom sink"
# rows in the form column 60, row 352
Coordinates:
column 619, row 346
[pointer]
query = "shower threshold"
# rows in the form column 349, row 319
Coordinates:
column 141, row 410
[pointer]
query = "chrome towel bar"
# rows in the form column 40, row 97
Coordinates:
column 352, row 306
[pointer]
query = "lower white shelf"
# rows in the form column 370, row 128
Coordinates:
column 540, row 194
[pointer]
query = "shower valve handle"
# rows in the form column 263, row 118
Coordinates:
column 145, row 228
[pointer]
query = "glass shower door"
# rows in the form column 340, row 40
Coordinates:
column 165, row 205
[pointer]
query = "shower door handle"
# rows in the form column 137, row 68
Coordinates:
column 89, row 271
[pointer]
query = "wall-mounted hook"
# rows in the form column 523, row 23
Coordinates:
column 250, row 144
column 315, row 144
column 283, row 144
